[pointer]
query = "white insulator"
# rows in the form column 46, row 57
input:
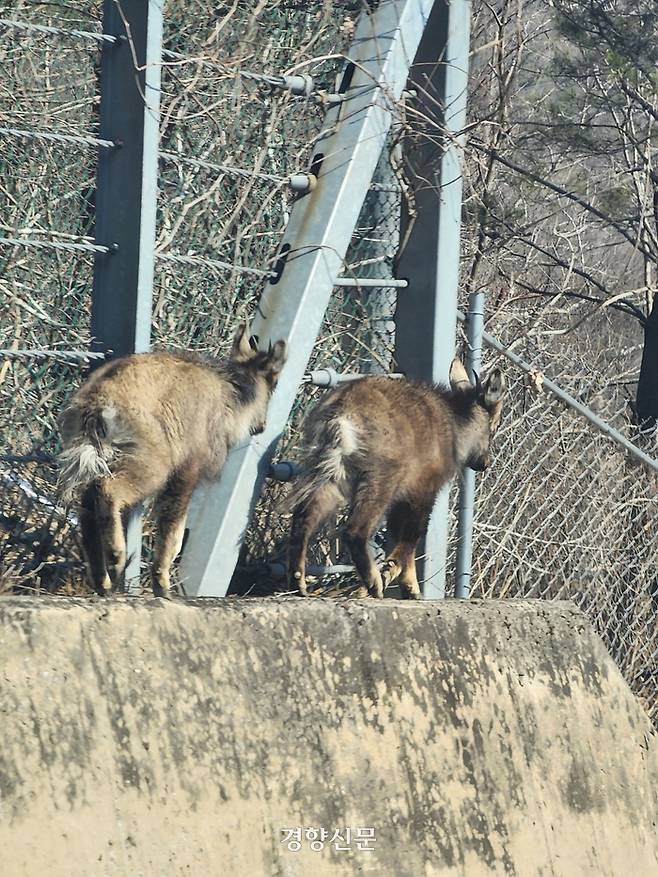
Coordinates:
column 284, row 470
column 301, row 84
column 302, row 183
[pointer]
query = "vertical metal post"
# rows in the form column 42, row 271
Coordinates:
column 431, row 226
column 126, row 190
column 316, row 240
column 474, row 332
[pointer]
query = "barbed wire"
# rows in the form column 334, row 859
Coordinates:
column 300, row 84
column 202, row 261
column 59, row 138
column 223, row 168
column 65, row 355
column 55, row 245
column 57, row 31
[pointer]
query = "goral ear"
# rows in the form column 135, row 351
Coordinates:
column 241, row 349
column 459, row 376
column 277, row 357
column 494, row 388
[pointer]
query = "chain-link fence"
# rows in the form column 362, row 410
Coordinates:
column 566, row 512
column 563, row 512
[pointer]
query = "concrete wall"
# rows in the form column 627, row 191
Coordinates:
column 142, row 738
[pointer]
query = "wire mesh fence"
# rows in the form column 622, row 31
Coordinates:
column 562, row 513
column 566, row 513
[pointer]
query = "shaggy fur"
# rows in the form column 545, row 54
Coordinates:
column 386, row 447
column 156, row 424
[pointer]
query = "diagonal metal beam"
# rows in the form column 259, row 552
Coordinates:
column 318, row 234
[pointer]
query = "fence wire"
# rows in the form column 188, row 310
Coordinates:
column 562, row 513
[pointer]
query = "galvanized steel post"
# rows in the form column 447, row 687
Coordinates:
column 426, row 313
column 314, row 246
column 463, row 563
column 126, row 190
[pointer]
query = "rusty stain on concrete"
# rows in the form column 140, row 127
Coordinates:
column 485, row 738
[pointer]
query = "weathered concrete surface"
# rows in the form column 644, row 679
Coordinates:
column 140, row 738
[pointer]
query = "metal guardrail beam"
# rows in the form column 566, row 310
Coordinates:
column 316, row 240
column 426, row 314
column 57, row 31
column 126, row 191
